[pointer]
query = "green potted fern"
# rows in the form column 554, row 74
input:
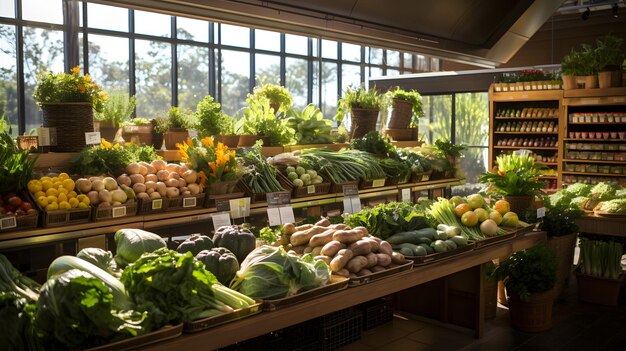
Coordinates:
column 405, row 114
column 610, row 56
column 280, row 98
column 212, row 121
column 364, row 107
column 260, row 123
column 116, row 110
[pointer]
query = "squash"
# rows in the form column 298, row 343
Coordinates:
column 238, row 240
column 221, row 262
column 195, row 243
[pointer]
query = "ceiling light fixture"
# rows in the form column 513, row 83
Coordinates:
column 615, row 9
column 586, row 14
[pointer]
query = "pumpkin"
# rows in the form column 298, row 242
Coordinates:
column 238, row 240
column 221, row 262
column 195, row 243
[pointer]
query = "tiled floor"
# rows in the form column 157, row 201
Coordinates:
column 577, row 326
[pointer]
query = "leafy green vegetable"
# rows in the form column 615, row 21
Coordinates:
column 272, row 273
column 17, row 166
column 528, row 271
column 374, row 143
column 100, row 258
column 395, row 168
column 108, row 159
column 11, row 280
column 310, row 126
column 75, row 310
column 385, row 220
column 260, row 176
column 259, row 119
column 132, row 243
column 578, row 189
column 613, row 206
column 600, row 258
column 604, row 191
column 343, row 166
column 14, row 321
column 175, row 287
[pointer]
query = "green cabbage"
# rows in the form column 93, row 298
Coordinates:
column 132, row 243
column 613, row 206
column 100, row 258
column 272, row 273
column 14, row 321
column 579, row 201
column 578, row 189
column 604, row 191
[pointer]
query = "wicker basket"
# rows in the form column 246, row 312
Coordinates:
column 262, row 197
column 401, row 114
column 405, row 134
column 421, row 177
column 312, row 190
column 119, row 211
column 372, row 183
column 337, row 188
column 189, row 202
column 362, row 121
column 71, row 120
column 10, row 223
column 150, row 206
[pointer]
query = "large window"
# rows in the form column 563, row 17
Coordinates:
column 172, row 60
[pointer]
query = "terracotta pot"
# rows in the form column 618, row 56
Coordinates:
column 601, row 291
column 247, row 140
column 569, row 82
column 362, row 121
column 401, row 114
column 404, row 134
column 107, row 131
column 587, row 82
column 563, row 247
column 175, row 136
column 138, row 134
column 610, row 79
column 519, row 204
column 532, row 315
column 229, row 140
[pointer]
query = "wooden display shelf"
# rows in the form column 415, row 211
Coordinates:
column 616, row 93
column 266, row 322
column 527, row 147
column 593, row 123
column 526, row 118
column 547, row 163
column 596, row 174
column 598, row 140
column 592, row 224
column 527, row 95
column 598, row 161
column 528, row 133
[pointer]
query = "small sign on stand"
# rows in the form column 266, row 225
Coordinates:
column 351, row 200
column 279, row 210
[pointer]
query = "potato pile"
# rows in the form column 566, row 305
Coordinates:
column 159, row 179
column 350, row 252
column 104, row 191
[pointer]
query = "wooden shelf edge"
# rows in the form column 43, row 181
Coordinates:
column 528, row 133
column 598, row 161
column 595, row 174
column 527, row 95
column 605, row 92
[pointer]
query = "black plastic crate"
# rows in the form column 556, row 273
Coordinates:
column 342, row 332
column 377, row 312
column 299, row 337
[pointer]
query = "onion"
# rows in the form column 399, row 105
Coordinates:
column 172, row 167
column 150, row 185
column 152, row 178
column 150, row 191
column 186, row 193
column 489, row 227
column 161, row 188
column 94, row 199
column 190, row 176
column 183, row 189
column 162, row 175
column 182, row 183
column 109, row 183
column 137, row 178
column 183, row 168
column 97, row 185
column 159, row 165
column 105, row 196
column 173, row 175
column 83, row 185
column 143, row 170
column 150, row 168
column 155, row 195
column 194, row 188
column 139, row 188
column 172, row 192
column 124, row 180
column 171, row 183
column 143, row 196
column 119, row 196
column 132, row 168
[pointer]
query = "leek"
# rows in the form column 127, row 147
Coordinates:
column 601, row 259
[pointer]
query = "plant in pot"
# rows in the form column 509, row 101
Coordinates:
column 588, row 78
column 610, row 57
column 280, row 98
column 216, row 164
column 517, row 178
column 364, row 107
column 175, row 127
column 116, row 110
column 599, row 274
column 405, row 113
column 571, row 66
column 212, row 121
column 260, row 122
column 529, row 277
column 69, row 99
column 138, row 130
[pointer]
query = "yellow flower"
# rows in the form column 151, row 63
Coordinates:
column 75, row 70
column 189, row 142
column 104, row 144
column 207, row 141
column 87, row 77
column 117, row 145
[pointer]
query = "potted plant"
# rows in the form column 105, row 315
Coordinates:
column 279, row 97
column 599, row 274
column 260, row 122
column 212, row 121
column 138, row 130
column 517, row 178
column 610, row 57
column 175, row 127
column 588, row 75
column 116, row 110
column 69, row 99
column 407, row 109
column 571, row 67
column 364, row 107
column 529, row 277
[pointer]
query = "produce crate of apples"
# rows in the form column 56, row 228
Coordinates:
column 16, row 213
column 108, row 199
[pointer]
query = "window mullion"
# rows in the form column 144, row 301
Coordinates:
column 174, row 65
column 21, row 102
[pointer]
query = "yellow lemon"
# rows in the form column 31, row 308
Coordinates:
column 64, row 205
column 52, row 207
column 62, row 190
column 43, row 201
column 55, row 179
column 71, row 194
column 82, row 205
column 57, row 184
column 62, row 197
column 73, row 202
column 85, row 201
column 45, row 178
column 63, row 176
column 52, row 199
column 34, row 186
column 82, row 197
column 52, row 192
column 46, row 184
column 68, row 184
column 39, row 194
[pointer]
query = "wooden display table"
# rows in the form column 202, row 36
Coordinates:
column 592, row 224
column 266, row 322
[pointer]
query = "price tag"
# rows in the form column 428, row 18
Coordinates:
column 278, row 198
column 406, row 195
column 377, row 183
column 351, row 204
column 286, row 214
column 157, row 204
column 541, row 212
column 310, row 189
column 92, row 138
column 240, row 208
column 189, row 201
column 118, row 211
column 273, row 214
column 221, row 219
column 350, row 190
column 425, row 178
column 8, row 222
column 43, row 135
column 222, row 205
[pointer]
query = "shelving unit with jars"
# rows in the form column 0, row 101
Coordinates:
column 595, row 141
column 528, row 120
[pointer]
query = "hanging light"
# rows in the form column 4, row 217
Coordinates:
column 586, row 14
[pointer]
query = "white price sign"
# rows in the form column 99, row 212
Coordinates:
column 92, row 138
column 8, row 222
column 157, row 204
column 118, row 211
column 189, row 202
column 351, row 204
column 273, row 215
column 541, row 212
column 240, row 208
column 280, row 215
column 221, row 219
column 406, row 195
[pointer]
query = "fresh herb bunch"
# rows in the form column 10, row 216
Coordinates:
column 259, row 119
column 601, row 258
column 449, row 148
column 69, row 87
column 374, row 143
column 359, row 97
column 609, row 53
column 310, row 126
column 395, row 168
column 515, row 176
column 17, row 166
column 139, row 121
column 211, row 120
column 559, row 219
column 214, row 163
column 108, row 158
column 343, row 166
column 385, row 220
column 260, row 176
column 276, row 94
column 528, row 271
column 411, row 96
column 175, row 118
column 117, row 109
column 416, row 162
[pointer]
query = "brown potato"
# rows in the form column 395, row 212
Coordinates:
column 363, row 272
column 360, row 248
column 372, row 260
column 398, row 258
column 340, row 260
column 383, row 259
column 377, row 269
column 332, row 248
column 302, row 237
column 347, row 236
column 356, row 264
column 344, row 273
column 322, row 238
column 385, row 248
